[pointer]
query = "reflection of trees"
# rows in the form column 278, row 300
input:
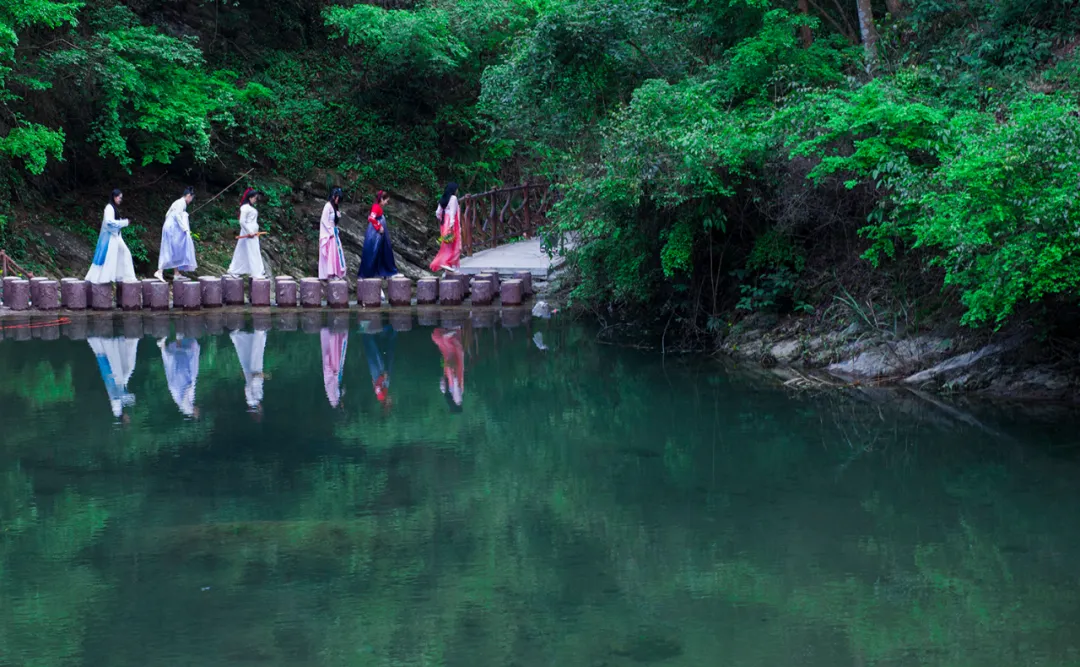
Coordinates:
column 588, row 505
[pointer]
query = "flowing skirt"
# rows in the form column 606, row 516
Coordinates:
column 377, row 260
column 247, row 259
column 331, row 257
column 449, row 256
column 112, row 260
column 177, row 249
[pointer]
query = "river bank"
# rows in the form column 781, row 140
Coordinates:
column 1016, row 363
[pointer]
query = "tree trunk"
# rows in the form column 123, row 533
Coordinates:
column 895, row 7
column 869, row 34
column 805, row 34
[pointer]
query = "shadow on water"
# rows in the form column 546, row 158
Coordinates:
column 319, row 488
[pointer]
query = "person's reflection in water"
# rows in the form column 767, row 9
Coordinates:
column 452, row 383
column 379, row 350
column 249, row 349
column 334, row 346
column 181, row 361
column 116, row 362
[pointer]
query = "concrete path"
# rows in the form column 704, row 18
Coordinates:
column 506, row 259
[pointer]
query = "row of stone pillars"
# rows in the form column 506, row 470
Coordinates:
column 210, row 322
column 284, row 291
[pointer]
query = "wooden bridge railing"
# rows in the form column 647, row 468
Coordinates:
column 7, row 264
column 497, row 216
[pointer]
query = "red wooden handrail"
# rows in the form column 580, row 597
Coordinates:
column 6, row 261
column 490, row 217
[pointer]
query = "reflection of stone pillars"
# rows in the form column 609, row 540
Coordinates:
column 339, row 322
column 370, row 321
column 514, row 317
column 483, row 319
column 158, row 326
column 286, row 320
column 311, row 322
column 427, row 318
column 133, row 326
column 75, row 329
column 401, row 321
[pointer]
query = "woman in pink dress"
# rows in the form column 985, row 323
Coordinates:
column 449, row 257
column 452, row 383
column 331, row 256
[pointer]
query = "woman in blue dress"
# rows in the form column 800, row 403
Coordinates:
column 377, row 259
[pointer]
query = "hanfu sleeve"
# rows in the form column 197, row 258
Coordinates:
column 249, row 221
column 111, row 220
column 446, row 223
column 182, row 218
column 327, row 221
column 376, row 218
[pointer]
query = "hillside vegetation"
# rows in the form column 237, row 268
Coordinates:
column 715, row 157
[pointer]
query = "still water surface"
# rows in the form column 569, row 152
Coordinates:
column 348, row 495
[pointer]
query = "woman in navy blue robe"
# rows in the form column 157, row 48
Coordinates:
column 377, row 259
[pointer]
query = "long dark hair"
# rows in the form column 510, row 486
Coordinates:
column 112, row 200
column 450, row 191
column 339, row 194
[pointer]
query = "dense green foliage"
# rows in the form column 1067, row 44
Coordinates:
column 683, row 133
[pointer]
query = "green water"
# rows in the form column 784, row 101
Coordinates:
column 584, row 505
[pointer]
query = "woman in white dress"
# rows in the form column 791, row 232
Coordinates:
column 247, row 259
column 112, row 259
column 177, row 248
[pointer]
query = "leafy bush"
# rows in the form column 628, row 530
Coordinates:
column 152, row 94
